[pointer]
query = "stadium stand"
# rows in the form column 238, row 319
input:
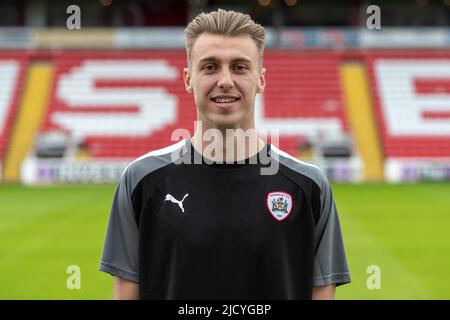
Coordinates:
column 354, row 98
column 125, row 103
column 119, row 104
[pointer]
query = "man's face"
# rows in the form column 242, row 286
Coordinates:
column 224, row 76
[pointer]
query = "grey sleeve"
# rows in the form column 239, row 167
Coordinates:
column 330, row 263
column 120, row 250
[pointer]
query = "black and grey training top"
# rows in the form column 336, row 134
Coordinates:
column 187, row 229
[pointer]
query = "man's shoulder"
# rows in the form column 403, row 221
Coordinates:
column 152, row 161
column 297, row 166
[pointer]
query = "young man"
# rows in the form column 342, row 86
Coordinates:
column 218, row 228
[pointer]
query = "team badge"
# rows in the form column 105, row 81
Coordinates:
column 279, row 204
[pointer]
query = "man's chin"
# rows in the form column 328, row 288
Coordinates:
column 226, row 125
column 226, row 122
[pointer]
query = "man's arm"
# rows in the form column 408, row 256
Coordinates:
column 124, row 289
column 324, row 292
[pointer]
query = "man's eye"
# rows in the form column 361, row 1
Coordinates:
column 209, row 67
column 240, row 67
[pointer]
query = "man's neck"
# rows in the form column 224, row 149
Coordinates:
column 229, row 146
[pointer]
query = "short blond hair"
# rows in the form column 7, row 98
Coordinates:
column 227, row 23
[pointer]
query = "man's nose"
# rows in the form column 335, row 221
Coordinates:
column 225, row 81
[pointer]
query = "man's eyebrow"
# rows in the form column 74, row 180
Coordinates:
column 208, row 59
column 245, row 60
column 234, row 60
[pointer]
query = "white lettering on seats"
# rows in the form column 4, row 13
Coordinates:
column 156, row 107
column 402, row 106
column 9, row 70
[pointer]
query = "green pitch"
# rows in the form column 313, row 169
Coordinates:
column 402, row 229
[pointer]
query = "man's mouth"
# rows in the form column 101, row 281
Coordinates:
column 225, row 100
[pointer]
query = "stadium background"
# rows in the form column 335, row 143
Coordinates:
column 371, row 107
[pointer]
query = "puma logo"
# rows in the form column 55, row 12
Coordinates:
column 170, row 198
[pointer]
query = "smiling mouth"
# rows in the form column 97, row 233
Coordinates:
column 225, row 100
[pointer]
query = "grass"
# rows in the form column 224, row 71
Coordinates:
column 46, row 229
column 403, row 229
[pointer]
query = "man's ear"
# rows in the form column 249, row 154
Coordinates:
column 187, row 80
column 261, row 81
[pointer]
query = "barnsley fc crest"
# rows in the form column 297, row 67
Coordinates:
column 279, row 204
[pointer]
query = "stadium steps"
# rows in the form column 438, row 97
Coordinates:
column 361, row 117
column 29, row 118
